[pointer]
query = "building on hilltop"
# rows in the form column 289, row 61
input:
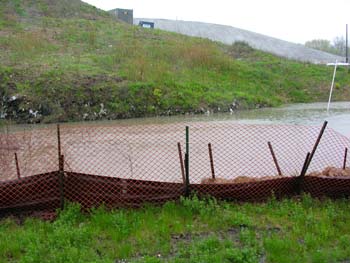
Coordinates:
column 125, row 15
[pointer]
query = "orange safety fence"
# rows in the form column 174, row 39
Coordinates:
column 127, row 166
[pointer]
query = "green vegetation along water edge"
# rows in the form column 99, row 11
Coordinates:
column 191, row 230
column 66, row 60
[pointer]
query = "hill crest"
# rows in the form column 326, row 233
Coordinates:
column 229, row 35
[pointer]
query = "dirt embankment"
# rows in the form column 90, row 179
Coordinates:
column 328, row 171
column 333, row 172
column 237, row 180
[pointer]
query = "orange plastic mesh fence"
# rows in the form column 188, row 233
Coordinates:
column 120, row 165
column 36, row 151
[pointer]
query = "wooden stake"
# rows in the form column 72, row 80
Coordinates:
column 303, row 172
column 345, row 157
column 211, row 161
column 181, row 163
column 17, row 167
column 61, row 181
column 59, row 144
column 274, row 159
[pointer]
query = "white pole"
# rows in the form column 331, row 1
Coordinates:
column 330, row 93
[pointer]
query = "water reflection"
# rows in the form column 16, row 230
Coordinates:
column 306, row 114
column 303, row 114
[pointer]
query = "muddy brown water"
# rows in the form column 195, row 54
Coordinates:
column 146, row 149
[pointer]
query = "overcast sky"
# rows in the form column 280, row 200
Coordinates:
column 291, row 20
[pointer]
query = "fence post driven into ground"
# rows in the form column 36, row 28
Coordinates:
column 345, row 157
column 211, row 161
column 314, row 148
column 17, row 167
column 181, row 163
column 187, row 162
column 300, row 181
column 274, row 159
column 309, row 158
column 59, row 143
column 60, row 168
column 61, row 181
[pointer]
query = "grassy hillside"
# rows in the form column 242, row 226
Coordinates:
column 65, row 60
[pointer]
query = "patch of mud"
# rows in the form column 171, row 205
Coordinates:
column 333, row 172
column 237, row 180
column 231, row 233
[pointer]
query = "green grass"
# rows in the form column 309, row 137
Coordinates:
column 54, row 50
column 192, row 230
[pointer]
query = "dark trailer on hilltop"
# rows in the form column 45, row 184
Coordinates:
column 146, row 24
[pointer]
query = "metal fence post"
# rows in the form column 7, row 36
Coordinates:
column 187, row 163
column 274, row 159
column 61, row 181
column 309, row 158
column 345, row 156
column 60, row 168
column 181, row 163
column 300, row 181
column 307, row 164
column 59, row 144
column 17, row 167
column 211, row 161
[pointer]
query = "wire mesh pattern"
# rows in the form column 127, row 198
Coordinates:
column 130, row 152
column 39, row 192
column 92, row 191
column 326, row 186
column 243, row 151
column 249, row 191
column 123, row 166
column 27, row 152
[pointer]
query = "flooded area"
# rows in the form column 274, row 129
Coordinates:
column 147, row 148
column 307, row 114
column 338, row 116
